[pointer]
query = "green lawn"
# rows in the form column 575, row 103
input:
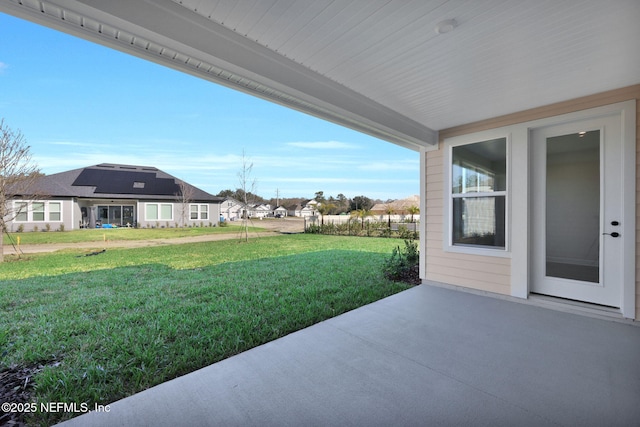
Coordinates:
column 128, row 319
column 100, row 234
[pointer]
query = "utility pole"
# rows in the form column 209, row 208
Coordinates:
column 277, row 197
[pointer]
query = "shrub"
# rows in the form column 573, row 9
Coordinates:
column 47, row 227
column 21, row 228
column 402, row 266
column 405, row 233
column 61, row 228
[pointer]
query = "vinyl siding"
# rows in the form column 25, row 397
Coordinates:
column 473, row 271
column 488, row 273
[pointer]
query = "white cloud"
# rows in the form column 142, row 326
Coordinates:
column 323, row 145
column 395, row 165
column 3, row 66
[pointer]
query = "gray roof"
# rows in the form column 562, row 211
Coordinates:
column 108, row 180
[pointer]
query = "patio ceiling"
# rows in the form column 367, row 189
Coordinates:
column 377, row 66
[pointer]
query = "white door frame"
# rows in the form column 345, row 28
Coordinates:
column 606, row 288
column 627, row 112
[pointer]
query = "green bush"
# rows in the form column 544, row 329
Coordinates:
column 403, row 263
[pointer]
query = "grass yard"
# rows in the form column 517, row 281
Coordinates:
column 110, row 325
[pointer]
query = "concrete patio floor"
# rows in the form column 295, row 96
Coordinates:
column 426, row 356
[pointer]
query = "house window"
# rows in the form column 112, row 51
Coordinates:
column 40, row 211
column 37, row 209
column 478, row 194
column 199, row 211
column 55, row 211
column 22, row 213
column 159, row 211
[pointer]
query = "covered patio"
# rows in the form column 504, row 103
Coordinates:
column 429, row 76
column 426, row 356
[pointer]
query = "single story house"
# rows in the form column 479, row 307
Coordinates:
column 280, row 211
column 108, row 195
column 401, row 210
column 524, row 114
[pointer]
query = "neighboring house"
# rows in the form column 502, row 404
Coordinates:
column 114, row 195
column 280, row 211
column 400, row 209
column 231, row 209
column 305, row 210
column 261, row 211
column 308, row 209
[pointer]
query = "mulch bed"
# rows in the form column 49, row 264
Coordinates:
column 16, row 386
column 408, row 275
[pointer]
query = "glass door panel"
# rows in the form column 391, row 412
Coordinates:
column 127, row 215
column 573, row 206
column 115, row 215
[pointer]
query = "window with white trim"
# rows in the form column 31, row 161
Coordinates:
column 55, row 211
column 22, row 211
column 478, row 194
column 159, row 211
column 199, row 212
column 38, row 211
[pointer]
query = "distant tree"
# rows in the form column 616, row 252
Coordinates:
column 184, row 198
column 319, row 197
column 18, row 176
column 227, row 193
column 413, row 210
column 361, row 202
column 342, row 204
column 324, row 209
column 361, row 214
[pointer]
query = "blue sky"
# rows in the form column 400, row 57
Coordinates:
column 79, row 104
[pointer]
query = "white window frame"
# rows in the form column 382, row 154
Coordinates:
column 21, row 208
column 199, row 211
column 46, row 211
column 448, row 195
column 158, row 210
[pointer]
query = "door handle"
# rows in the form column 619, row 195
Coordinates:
column 614, row 234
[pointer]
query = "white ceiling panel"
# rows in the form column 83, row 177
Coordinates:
column 375, row 65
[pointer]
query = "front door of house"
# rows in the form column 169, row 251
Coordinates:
column 577, row 228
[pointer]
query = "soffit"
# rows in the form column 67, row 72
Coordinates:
column 375, row 65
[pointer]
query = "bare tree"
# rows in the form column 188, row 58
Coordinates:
column 184, row 199
column 248, row 186
column 18, row 175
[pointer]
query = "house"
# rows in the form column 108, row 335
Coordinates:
column 231, row 209
column 115, row 195
column 524, row 114
column 308, row 209
column 401, row 210
column 280, row 211
column 261, row 211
